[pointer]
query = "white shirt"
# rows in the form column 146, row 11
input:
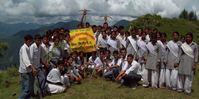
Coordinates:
column 35, row 55
column 102, row 42
column 24, row 59
column 98, row 62
column 125, row 66
column 119, row 62
column 54, row 76
column 45, row 48
column 45, row 51
column 135, row 66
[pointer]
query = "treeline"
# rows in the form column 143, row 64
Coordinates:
column 188, row 15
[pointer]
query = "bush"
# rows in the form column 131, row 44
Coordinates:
column 12, row 72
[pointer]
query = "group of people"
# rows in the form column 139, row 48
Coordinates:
column 135, row 57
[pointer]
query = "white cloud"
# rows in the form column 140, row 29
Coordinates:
column 58, row 10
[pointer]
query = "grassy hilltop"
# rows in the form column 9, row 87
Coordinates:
column 168, row 25
column 101, row 89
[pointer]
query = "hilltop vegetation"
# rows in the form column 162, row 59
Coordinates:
column 168, row 25
column 99, row 88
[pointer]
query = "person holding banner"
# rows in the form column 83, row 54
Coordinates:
column 172, row 61
column 187, row 65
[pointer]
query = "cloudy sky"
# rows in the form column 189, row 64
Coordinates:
column 51, row 11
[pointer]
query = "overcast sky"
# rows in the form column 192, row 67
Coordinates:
column 51, row 11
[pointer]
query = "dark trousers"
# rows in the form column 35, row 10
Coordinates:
column 131, row 79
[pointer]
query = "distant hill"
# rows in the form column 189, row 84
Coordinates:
column 16, row 40
column 10, row 29
column 124, row 23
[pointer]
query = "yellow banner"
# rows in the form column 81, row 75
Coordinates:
column 82, row 40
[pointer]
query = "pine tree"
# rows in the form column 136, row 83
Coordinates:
column 183, row 14
column 191, row 15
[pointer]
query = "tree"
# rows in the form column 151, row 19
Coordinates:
column 183, row 14
column 191, row 15
column 3, row 47
column 195, row 17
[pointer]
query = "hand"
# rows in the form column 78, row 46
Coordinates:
column 176, row 65
column 194, row 67
column 34, row 71
column 119, row 78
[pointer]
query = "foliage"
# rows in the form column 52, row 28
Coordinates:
column 167, row 25
column 188, row 15
column 3, row 47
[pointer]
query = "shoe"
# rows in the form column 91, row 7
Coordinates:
column 145, row 86
column 133, row 88
column 189, row 94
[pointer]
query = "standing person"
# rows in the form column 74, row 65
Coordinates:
column 172, row 61
column 44, row 53
column 55, row 51
column 131, row 44
column 121, row 37
column 102, row 41
column 26, row 69
column 141, row 55
column 113, row 42
column 35, row 57
column 162, row 55
column 187, row 65
column 152, row 62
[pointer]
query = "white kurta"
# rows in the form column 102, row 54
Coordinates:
column 54, row 76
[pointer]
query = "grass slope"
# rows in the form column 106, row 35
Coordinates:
column 96, row 89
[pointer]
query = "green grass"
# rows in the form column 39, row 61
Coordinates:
column 98, row 89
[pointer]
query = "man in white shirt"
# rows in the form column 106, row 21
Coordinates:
column 45, row 54
column 130, row 72
column 35, row 59
column 113, row 66
column 26, row 69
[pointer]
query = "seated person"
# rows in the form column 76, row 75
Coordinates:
column 90, row 64
column 71, row 71
column 56, row 83
column 130, row 74
column 113, row 66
